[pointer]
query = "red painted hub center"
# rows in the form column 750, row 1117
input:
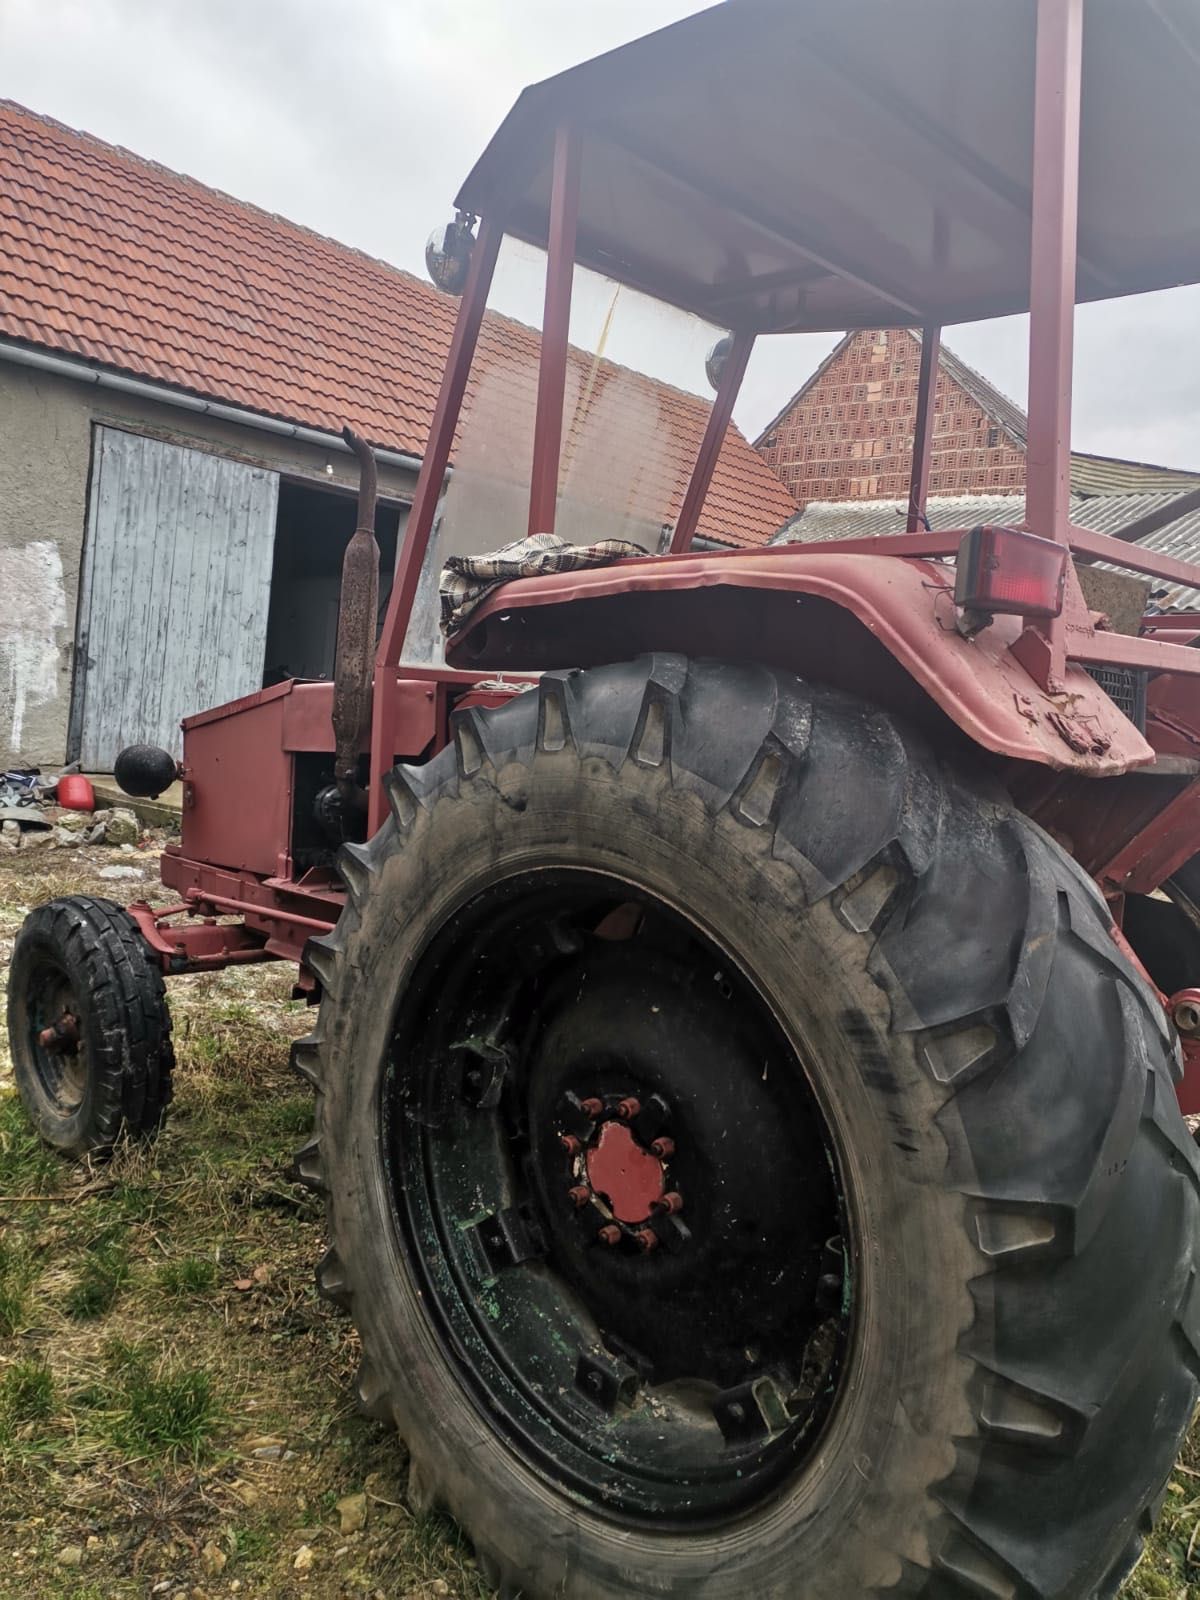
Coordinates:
column 629, row 1178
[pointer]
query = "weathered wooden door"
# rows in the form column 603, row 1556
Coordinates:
column 173, row 598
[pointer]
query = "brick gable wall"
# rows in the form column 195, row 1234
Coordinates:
column 849, row 435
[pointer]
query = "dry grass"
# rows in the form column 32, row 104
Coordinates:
column 178, row 1430
column 189, row 1436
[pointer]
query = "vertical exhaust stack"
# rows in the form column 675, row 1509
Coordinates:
column 358, row 609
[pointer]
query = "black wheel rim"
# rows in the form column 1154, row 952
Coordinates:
column 56, row 1048
column 621, row 1199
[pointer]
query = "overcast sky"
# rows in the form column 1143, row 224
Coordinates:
column 359, row 118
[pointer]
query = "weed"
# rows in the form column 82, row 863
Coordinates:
column 27, row 1166
column 90, row 1397
column 191, row 1275
column 252, row 1544
column 233, row 1045
column 293, row 1116
column 101, row 1278
column 26, row 1391
column 16, row 1279
column 139, row 1203
column 121, row 1354
column 160, row 1409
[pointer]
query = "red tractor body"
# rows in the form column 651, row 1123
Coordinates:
column 878, row 617
column 754, row 985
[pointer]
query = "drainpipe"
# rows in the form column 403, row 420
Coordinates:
column 78, row 372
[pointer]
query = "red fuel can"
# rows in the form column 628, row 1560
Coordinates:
column 75, row 792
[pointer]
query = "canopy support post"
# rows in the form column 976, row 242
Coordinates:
column 710, row 445
column 922, row 453
column 424, row 508
column 556, row 321
column 1053, row 251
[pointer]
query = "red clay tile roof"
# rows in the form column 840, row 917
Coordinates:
column 123, row 264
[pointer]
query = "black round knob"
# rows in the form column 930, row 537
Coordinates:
column 144, row 771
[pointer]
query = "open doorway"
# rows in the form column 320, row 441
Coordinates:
column 312, row 528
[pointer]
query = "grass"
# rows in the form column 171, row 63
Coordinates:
column 26, row 1391
column 102, row 1274
column 169, row 1380
column 26, row 1165
column 17, row 1273
column 190, row 1276
column 161, row 1409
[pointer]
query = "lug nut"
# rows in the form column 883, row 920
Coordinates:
column 570, row 1143
column 591, row 1107
column 664, row 1149
column 647, row 1239
column 628, row 1109
column 579, row 1196
column 669, row 1202
column 609, row 1234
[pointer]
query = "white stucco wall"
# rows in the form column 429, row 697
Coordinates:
column 33, row 618
column 44, row 451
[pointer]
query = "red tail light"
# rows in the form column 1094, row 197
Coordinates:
column 1003, row 569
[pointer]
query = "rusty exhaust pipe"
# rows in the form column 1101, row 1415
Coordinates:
column 358, row 610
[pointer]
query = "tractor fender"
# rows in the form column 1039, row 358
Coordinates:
column 879, row 626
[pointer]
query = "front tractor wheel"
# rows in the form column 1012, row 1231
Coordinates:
column 88, row 1026
column 752, row 1166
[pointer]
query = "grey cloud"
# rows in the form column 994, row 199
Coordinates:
column 360, row 118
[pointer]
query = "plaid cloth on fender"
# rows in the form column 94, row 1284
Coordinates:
column 467, row 580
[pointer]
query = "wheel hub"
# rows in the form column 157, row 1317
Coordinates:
column 618, row 1180
column 590, row 1202
column 59, row 1051
column 622, row 1176
column 62, row 1036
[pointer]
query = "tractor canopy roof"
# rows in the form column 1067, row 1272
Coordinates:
column 787, row 165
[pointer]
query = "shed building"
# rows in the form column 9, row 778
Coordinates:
column 175, row 369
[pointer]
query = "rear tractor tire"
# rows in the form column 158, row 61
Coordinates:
column 88, row 1026
column 752, row 1166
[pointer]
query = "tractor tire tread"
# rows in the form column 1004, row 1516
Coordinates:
column 131, row 1052
column 1066, row 1430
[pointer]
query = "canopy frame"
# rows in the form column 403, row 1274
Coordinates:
column 1044, row 648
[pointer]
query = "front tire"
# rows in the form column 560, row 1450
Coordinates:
column 88, row 1026
column 951, row 1059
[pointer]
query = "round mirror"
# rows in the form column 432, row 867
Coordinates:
column 714, row 362
column 448, row 255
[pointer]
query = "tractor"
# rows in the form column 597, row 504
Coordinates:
column 759, row 989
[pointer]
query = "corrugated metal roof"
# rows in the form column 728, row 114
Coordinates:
column 124, row 264
column 1110, row 475
column 860, row 519
column 1180, row 538
column 822, row 520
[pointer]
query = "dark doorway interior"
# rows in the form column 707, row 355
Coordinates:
column 312, row 530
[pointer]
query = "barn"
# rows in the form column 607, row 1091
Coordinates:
column 175, row 496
